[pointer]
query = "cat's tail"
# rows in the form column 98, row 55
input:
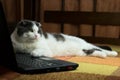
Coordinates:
column 108, row 50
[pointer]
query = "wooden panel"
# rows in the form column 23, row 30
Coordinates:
column 38, row 10
column 110, row 33
column 108, row 6
column 22, row 9
column 71, row 5
column 28, row 13
column 50, row 5
column 100, row 40
column 86, row 5
column 11, row 8
column 78, row 17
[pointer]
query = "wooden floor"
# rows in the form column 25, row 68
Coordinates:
column 6, row 74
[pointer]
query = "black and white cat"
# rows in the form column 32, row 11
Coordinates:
column 28, row 37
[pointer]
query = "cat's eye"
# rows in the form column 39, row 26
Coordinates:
column 31, row 30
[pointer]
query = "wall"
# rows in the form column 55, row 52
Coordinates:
column 83, row 5
column 23, row 9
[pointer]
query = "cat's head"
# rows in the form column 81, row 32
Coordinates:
column 29, row 30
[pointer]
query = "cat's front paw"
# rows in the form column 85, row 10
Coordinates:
column 38, row 53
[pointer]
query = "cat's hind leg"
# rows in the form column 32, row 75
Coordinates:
column 94, row 52
column 102, row 52
column 110, row 53
column 91, row 52
column 99, row 54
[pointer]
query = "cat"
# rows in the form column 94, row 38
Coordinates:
column 28, row 37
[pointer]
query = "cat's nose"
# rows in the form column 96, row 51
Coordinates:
column 36, row 36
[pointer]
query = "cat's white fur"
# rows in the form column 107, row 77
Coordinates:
column 38, row 45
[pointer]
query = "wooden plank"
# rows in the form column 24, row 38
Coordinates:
column 38, row 10
column 10, row 8
column 86, row 5
column 77, row 17
column 50, row 5
column 101, row 40
column 71, row 5
column 108, row 6
column 22, row 9
column 85, row 30
column 28, row 13
column 18, row 10
column 107, row 31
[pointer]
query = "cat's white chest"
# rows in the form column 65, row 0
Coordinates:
column 25, row 47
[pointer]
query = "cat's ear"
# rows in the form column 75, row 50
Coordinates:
column 22, row 23
column 38, row 24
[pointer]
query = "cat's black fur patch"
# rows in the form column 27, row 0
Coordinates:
column 40, row 31
column 58, row 37
column 45, row 35
column 90, row 51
